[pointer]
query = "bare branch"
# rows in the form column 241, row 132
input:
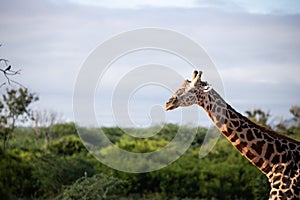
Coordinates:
column 4, row 60
column 2, row 84
column 8, row 72
column 17, row 83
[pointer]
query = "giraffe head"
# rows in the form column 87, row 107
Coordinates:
column 189, row 93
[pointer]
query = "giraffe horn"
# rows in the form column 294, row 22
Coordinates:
column 194, row 75
column 197, row 79
column 200, row 74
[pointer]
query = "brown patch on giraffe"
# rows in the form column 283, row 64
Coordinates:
column 235, row 123
column 268, row 138
column 257, row 133
column 218, row 124
column 269, row 151
column 249, row 135
column 259, row 163
column 287, row 183
column 275, row 159
column 239, row 129
column 276, row 185
column 234, row 138
column 241, row 145
column 250, row 155
column 266, row 169
column 292, row 146
column 279, row 147
column 258, row 146
column 226, row 133
column 242, row 135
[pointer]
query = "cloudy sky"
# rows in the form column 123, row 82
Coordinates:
column 254, row 46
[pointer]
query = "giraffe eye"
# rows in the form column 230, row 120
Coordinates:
column 204, row 84
column 192, row 90
column 175, row 100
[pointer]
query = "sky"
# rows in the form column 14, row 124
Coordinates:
column 254, row 46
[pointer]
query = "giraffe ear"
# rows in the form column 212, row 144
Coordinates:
column 206, row 86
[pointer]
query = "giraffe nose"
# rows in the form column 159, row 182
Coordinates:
column 171, row 104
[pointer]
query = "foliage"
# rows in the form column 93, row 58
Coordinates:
column 51, row 172
column 291, row 127
column 295, row 111
column 62, row 129
column 258, row 116
column 43, row 123
column 140, row 145
column 95, row 187
column 67, row 145
column 28, row 172
column 15, row 176
column 14, row 108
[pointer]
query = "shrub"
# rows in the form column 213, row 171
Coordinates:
column 95, row 187
column 67, row 145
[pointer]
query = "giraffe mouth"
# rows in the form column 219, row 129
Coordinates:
column 171, row 104
column 170, row 107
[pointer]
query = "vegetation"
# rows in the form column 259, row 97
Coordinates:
column 66, row 170
column 14, row 108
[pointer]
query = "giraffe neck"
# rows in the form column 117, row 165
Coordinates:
column 262, row 147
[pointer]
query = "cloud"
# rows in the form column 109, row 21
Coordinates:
column 137, row 4
column 270, row 6
column 256, row 55
column 254, row 6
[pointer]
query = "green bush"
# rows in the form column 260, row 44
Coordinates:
column 67, row 145
column 28, row 172
column 91, row 188
column 15, row 175
column 63, row 129
column 52, row 172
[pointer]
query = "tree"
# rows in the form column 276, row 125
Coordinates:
column 43, row 123
column 258, row 116
column 14, row 108
column 290, row 127
column 295, row 111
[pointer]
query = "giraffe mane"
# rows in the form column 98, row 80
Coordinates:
column 265, row 129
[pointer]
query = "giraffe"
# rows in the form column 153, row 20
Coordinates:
column 276, row 156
